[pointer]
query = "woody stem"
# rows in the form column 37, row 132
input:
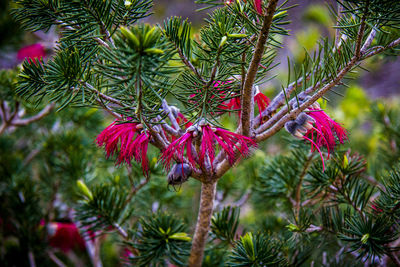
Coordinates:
column 203, row 223
column 253, row 68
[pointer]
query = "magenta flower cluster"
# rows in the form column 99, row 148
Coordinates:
column 128, row 140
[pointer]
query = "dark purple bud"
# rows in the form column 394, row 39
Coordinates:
column 303, row 118
column 294, row 129
column 179, row 174
column 291, row 127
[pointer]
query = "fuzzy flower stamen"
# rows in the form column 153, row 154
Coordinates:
column 128, row 140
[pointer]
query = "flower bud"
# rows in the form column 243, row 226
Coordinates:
column 179, row 174
column 305, row 120
column 291, row 126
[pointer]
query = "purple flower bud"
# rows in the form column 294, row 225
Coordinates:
column 179, row 174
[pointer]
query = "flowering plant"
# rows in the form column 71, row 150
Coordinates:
column 180, row 112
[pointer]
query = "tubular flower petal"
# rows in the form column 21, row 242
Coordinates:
column 128, row 140
column 257, row 5
column 178, row 146
column 212, row 139
column 319, row 129
column 328, row 131
column 262, row 102
column 233, row 105
column 260, row 99
column 226, row 140
column 181, row 119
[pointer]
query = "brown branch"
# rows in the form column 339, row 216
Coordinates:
column 101, row 95
column 382, row 49
column 190, row 65
column 361, row 31
column 321, row 92
column 44, row 112
column 253, row 68
column 293, row 114
column 203, row 223
column 170, row 115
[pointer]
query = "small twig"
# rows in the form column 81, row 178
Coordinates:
column 369, row 40
column 338, row 35
column 44, row 112
column 56, row 260
column 135, row 188
column 3, row 111
column 171, row 116
column 120, row 230
column 241, row 201
column 382, row 49
column 170, row 130
column 361, row 31
column 108, row 109
column 190, row 65
column 101, row 95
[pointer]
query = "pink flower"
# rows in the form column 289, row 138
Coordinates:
column 31, row 52
column 233, row 105
column 258, row 6
column 178, row 146
column 262, row 102
column 128, row 140
column 319, row 129
column 181, row 119
column 212, row 139
column 375, row 208
column 65, row 236
column 327, row 131
column 226, row 141
column 260, row 99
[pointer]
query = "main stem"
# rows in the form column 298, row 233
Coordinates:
column 247, row 92
column 203, row 223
